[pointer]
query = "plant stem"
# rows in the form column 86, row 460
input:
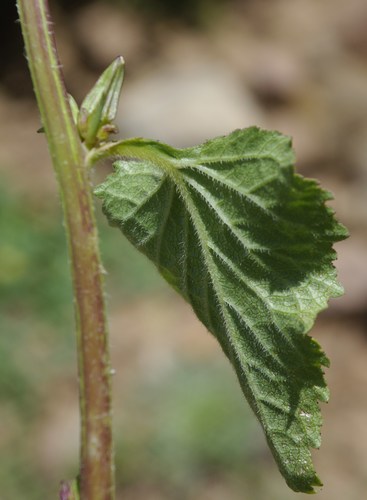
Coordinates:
column 68, row 157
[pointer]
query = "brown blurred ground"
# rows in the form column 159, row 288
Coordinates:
column 298, row 66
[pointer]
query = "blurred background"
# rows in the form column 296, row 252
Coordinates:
column 194, row 69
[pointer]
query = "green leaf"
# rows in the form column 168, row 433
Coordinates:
column 249, row 245
column 99, row 108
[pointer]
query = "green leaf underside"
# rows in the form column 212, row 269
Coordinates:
column 249, row 245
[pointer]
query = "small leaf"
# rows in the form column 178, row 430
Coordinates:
column 74, row 108
column 249, row 245
column 99, row 107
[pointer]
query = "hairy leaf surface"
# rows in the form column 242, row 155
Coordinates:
column 249, row 245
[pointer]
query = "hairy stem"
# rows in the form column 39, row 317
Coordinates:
column 68, row 157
